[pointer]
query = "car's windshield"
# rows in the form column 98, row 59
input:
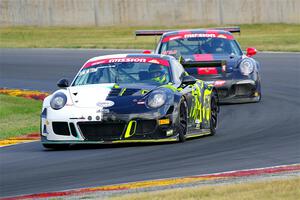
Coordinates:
column 199, row 45
column 124, row 72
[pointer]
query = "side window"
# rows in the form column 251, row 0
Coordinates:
column 178, row 71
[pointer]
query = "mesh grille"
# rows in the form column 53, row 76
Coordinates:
column 244, row 90
column 101, row 131
column 145, row 126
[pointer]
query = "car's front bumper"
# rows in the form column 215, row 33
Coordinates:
column 44, row 140
column 67, row 127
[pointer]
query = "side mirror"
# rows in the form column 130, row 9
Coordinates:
column 188, row 80
column 251, row 51
column 147, row 52
column 63, row 83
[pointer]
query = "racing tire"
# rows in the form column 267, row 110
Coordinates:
column 260, row 96
column 56, row 146
column 214, row 106
column 182, row 127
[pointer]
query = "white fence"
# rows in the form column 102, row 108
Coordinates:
column 146, row 12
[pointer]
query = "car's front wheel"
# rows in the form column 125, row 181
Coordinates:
column 214, row 113
column 182, row 126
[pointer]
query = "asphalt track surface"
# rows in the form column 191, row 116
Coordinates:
column 249, row 136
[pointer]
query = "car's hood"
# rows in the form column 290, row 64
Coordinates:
column 95, row 94
column 231, row 60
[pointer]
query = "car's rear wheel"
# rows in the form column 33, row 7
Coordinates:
column 56, row 146
column 258, row 98
column 182, row 127
column 214, row 113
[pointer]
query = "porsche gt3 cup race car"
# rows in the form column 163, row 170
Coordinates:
column 129, row 98
column 213, row 55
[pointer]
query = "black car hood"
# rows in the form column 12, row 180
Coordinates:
column 131, row 90
column 90, row 96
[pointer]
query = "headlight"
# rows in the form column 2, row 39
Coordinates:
column 58, row 101
column 156, row 99
column 246, row 67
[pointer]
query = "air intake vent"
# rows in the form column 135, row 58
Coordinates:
column 129, row 92
column 60, row 128
column 101, row 131
column 115, row 92
column 73, row 129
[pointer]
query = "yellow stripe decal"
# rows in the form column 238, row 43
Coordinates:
column 206, row 107
column 122, row 91
column 198, row 135
column 144, row 141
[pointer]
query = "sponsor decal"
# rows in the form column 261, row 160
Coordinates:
column 207, row 70
column 169, row 52
column 125, row 59
column 114, row 60
column 219, row 83
column 105, row 104
column 154, row 61
column 97, row 63
column 222, row 36
column 102, row 110
column 175, row 37
column 196, row 35
column 186, row 35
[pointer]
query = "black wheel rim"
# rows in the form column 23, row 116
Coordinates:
column 214, row 114
column 182, row 119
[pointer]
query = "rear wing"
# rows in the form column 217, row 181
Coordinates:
column 150, row 32
column 214, row 63
column 215, row 67
column 160, row 32
column 236, row 29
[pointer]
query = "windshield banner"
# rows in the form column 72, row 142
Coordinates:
column 128, row 59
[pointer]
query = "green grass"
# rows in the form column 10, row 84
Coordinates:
column 271, row 37
column 18, row 116
column 287, row 189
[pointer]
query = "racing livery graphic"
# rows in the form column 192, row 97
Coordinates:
column 129, row 98
column 213, row 55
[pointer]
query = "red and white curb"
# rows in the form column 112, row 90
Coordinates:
column 165, row 182
column 32, row 137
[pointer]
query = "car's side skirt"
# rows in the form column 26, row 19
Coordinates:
column 170, row 139
column 198, row 133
